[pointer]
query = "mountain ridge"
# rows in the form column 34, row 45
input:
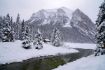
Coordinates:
column 74, row 25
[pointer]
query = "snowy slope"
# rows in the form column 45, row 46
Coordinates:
column 80, row 45
column 13, row 52
column 86, row 63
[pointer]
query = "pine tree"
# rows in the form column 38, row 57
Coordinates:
column 12, row 28
column 1, row 23
column 22, row 31
column 56, row 37
column 38, row 40
column 18, row 27
column 100, row 23
column 26, row 41
column 7, row 35
column 11, row 23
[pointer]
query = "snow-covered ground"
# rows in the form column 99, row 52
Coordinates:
column 13, row 52
column 80, row 45
column 86, row 63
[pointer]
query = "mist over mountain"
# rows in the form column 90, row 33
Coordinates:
column 75, row 26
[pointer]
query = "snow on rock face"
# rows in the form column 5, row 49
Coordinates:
column 86, row 63
column 52, row 16
column 75, row 25
column 84, row 25
column 67, row 25
column 67, row 11
column 13, row 52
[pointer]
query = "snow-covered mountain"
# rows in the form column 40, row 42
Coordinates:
column 54, row 16
column 74, row 25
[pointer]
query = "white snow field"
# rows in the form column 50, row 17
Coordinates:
column 13, row 52
column 85, row 63
column 80, row 45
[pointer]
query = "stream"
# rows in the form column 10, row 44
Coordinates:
column 47, row 62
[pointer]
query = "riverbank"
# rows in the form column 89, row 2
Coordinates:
column 46, row 63
column 13, row 52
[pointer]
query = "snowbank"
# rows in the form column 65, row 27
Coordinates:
column 13, row 52
column 86, row 63
column 80, row 45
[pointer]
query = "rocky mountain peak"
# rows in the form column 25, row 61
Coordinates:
column 75, row 26
column 77, row 11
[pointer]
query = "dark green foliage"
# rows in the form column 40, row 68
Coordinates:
column 100, row 23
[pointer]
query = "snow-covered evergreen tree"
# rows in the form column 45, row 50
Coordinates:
column 26, row 42
column 56, row 37
column 7, row 35
column 18, row 27
column 100, row 23
column 11, row 23
column 22, row 31
column 38, row 40
column 12, row 28
column 1, row 23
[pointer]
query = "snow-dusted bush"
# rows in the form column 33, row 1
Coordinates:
column 26, row 44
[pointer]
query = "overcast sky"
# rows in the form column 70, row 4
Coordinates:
column 27, row 7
